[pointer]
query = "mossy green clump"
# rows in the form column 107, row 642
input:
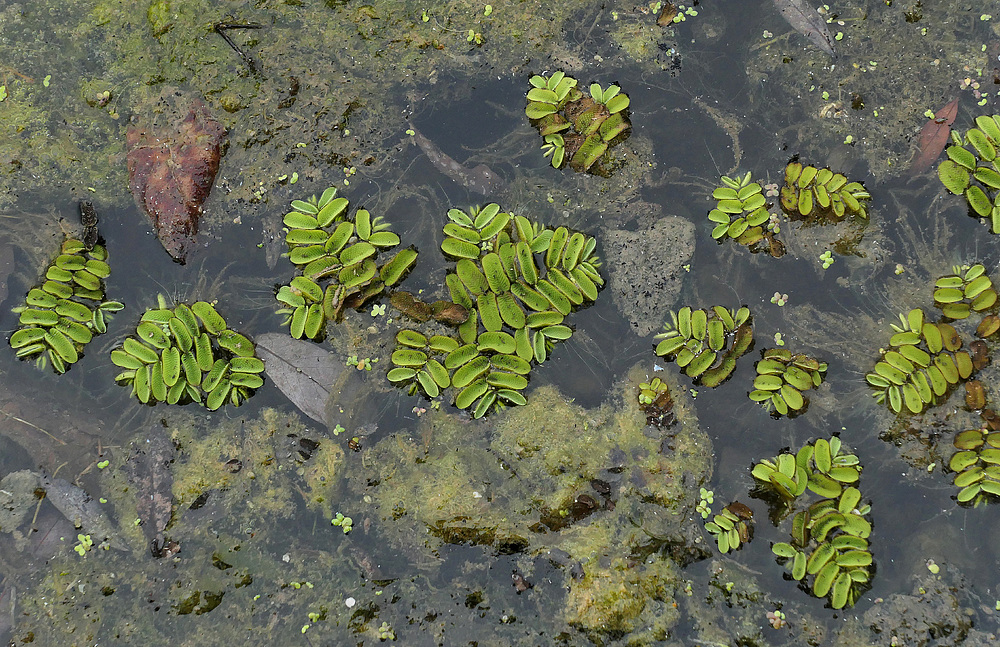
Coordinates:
column 973, row 170
column 63, row 313
column 707, row 343
column 830, row 536
column 188, row 354
column 336, row 257
column 577, row 128
column 522, row 305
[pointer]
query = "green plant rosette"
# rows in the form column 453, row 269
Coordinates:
column 519, row 281
column 731, row 528
column 188, row 354
column 782, row 378
column 577, row 128
column 705, row 343
column 741, row 211
column 828, row 554
column 965, row 291
column 972, row 169
column 818, row 195
column 62, row 314
column 976, row 465
column 921, row 366
column 337, row 257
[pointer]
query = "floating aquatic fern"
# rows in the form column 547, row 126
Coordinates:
column 967, row 290
column 921, row 366
column 741, row 214
column 977, row 465
column 972, row 168
column 336, row 256
column 188, row 353
column 707, row 343
column 829, row 537
column 820, row 196
column 577, row 127
column 61, row 315
column 783, row 377
column 732, row 527
column 516, row 308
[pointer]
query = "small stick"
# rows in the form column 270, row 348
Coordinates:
column 220, row 29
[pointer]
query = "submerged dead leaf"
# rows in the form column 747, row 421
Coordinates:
column 301, row 370
column 148, row 470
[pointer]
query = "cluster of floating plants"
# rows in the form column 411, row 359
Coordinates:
column 960, row 294
column 706, row 343
column 656, row 402
column 977, row 465
column 821, row 196
column 61, row 315
column 187, row 353
column 741, row 213
column 781, row 379
column 521, row 306
column 732, row 527
column 830, row 536
column 577, row 128
column 972, row 168
column 337, row 260
column 923, row 363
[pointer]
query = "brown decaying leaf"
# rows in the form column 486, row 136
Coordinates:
column 170, row 173
column 933, row 138
column 807, row 21
column 148, row 470
column 301, row 370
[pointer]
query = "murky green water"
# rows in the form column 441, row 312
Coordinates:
column 453, row 517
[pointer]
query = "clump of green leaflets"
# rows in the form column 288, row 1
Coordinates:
column 577, row 127
column 517, row 307
column 976, row 465
column 707, row 343
column 921, row 366
column 732, row 527
column 187, row 353
column 820, row 196
column 741, row 214
column 965, row 291
column 972, row 169
column 782, row 378
column 61, row 315
column 336, row 257
column 829, row 553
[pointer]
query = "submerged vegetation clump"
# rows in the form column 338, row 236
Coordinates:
column 336, row 257
column 187, row 353
column 782, row 378
column 62, row 314
column 707, row 343
column 829, row 536
column 522, row 306
column 972, row 169
column 578, row 128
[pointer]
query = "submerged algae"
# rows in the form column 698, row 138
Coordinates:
column 597, row 486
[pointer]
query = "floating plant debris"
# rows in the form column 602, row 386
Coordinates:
column 522, row 306
column 923, row 363
column 972, row 168
column 706, row 343
column 782, row 378
column 62, row 314
column 965, row 291
column 820, row 196
column 829, row 537
column 742, row 214
column 732, row 527
column 337, row 260
column 977, row 465
column 187, row 353
column 577, row 127
column 656, row 403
